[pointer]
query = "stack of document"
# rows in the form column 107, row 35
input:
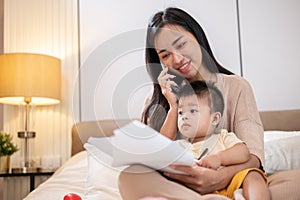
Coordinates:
column 137, row 143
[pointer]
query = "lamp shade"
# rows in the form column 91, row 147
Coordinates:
column 26, row 77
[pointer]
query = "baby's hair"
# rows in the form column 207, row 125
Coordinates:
column 204, row 90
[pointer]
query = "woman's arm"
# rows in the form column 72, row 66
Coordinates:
column 169, row 127
column 205, row 180
column 241, row 115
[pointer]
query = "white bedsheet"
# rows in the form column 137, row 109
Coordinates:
column 84, row 175
column 69, row 178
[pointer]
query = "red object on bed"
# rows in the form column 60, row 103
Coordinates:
column 72, row 196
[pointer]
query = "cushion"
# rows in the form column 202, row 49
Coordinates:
column 102, row 180
column 281, row 150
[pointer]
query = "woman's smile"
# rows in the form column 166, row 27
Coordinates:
column 185, row 67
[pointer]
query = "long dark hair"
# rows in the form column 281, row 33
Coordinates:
column 156, row 111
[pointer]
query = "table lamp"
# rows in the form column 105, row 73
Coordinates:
column 29, row 79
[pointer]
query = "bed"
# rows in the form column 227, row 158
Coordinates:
column 82, row 174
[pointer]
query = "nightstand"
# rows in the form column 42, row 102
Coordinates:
column 16, row 177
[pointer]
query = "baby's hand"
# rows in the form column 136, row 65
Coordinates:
column 212, row 161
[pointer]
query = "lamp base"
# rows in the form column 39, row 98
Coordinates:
column 26, row 170
column 26, row 134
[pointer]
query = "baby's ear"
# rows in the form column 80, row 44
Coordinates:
column 216, row 118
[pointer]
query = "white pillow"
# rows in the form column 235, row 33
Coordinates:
column 273, row 135
column 102, row 180
column 282, row 150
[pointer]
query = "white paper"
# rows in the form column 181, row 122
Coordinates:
column 136, row 143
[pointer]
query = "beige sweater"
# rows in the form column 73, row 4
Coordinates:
column 242, row 116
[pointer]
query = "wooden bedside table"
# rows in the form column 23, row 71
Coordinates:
column 31, row 175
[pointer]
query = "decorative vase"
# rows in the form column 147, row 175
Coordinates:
column 4, row 164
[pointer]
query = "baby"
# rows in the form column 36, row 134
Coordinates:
column 200, row 109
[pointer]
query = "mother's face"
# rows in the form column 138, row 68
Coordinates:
column 178, row 49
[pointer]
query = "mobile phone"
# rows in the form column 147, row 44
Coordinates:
column 175, row 88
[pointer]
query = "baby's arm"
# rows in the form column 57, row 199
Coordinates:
column 236, row 154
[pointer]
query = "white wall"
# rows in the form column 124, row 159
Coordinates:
column 270, row 46
column 114, row 83
column 270, row 31
column 1, row 51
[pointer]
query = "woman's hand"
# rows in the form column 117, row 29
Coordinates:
column 169, row 127
column 202, row 180
column 165, row 82
column 205, row 180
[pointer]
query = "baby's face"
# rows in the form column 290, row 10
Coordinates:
column 194, row 116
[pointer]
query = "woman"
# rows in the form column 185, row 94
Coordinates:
column 175, row 40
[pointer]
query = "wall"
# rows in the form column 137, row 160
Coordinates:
column 46, row 27
column 1, row 51
column 271, row 50
column 1, row 25
column 114, row 83
column 112, row 40
column 1, row 107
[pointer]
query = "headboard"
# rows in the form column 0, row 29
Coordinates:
column 81, row 131
column 284, row 120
